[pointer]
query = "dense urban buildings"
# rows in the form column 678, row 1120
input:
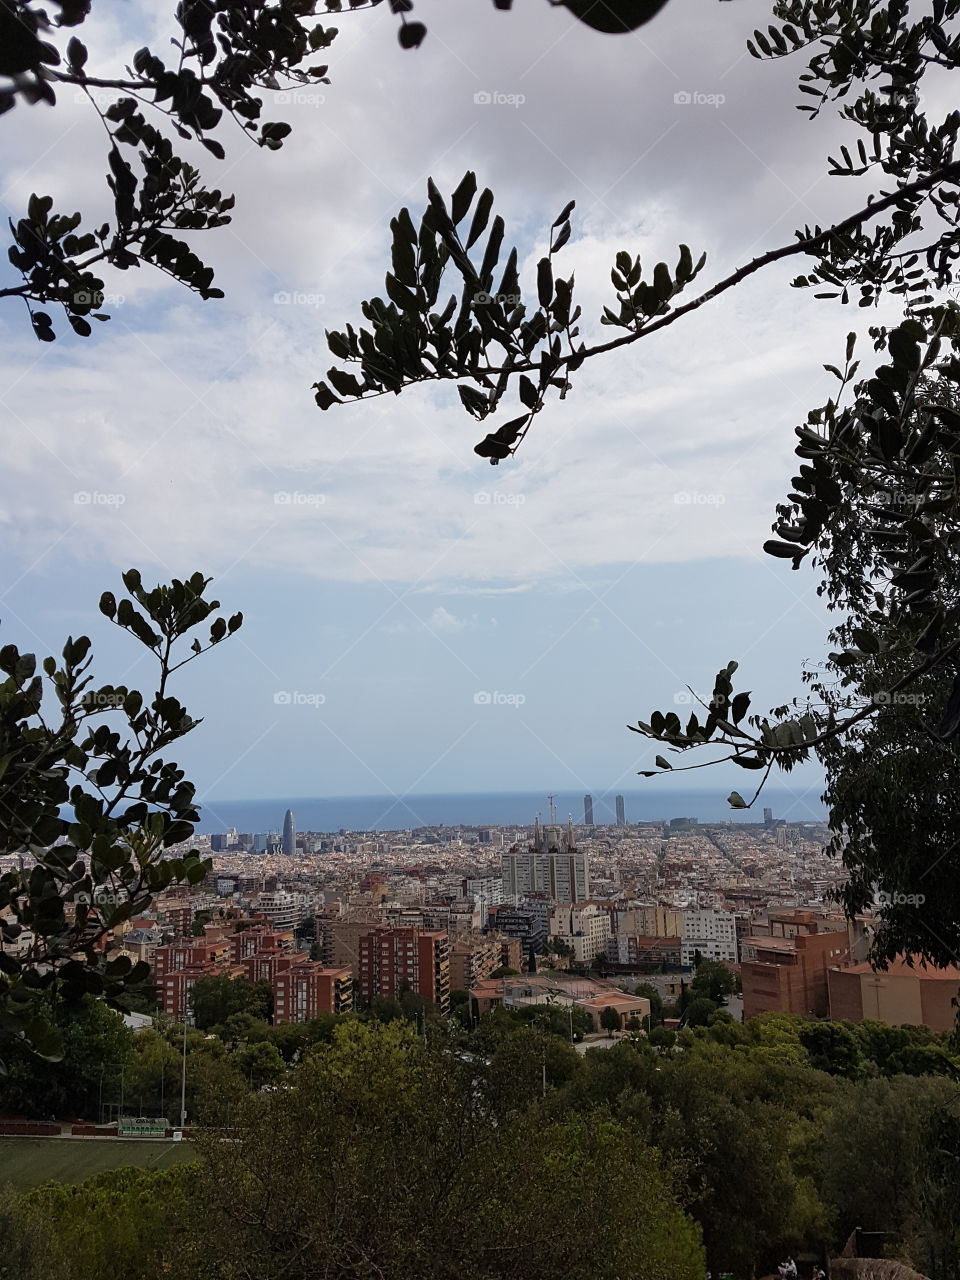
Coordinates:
column 334, row 920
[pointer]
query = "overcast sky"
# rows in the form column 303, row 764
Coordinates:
column 388, row 576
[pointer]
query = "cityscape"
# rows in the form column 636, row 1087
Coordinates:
column 480, row 796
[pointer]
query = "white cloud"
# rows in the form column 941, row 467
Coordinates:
column 185, row 424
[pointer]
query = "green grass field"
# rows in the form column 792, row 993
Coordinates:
column 25, row 1162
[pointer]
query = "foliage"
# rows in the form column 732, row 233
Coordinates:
column 766, row 1154
column 215, row 997
column 228, row 57
column 57, row 1232
column 91, row 808
column 713, row 981
column 295, row 1191
column 610, row 1020
column 96, row 1048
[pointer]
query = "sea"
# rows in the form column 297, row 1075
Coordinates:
column 498, row 809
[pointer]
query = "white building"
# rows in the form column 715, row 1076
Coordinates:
column 284, row 910
column 712, row 933
column 486, row 891
column 585, row 928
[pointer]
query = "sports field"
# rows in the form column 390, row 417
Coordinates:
column 24, row 1162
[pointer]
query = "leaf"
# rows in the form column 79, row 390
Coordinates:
column 736, row 801
column 545, row 282
column 463, row 196
column 564, row 214
column 76, row 54
column 562, row 238
column 662, row 763
column 739, row 707
column 411, row 35
column 481, row 216
column 44, row 1039
column 528, row 392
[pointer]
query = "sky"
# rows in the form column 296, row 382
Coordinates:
column 415, row 620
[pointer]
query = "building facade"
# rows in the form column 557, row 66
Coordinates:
column 392, row 960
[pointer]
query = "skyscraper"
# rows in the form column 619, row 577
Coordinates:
column 588, row 811
column 621, row 813
column 289, row 834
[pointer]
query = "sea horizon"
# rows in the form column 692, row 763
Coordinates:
column 497, row 809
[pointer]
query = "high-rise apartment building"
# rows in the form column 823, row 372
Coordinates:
column 585, row 928
column 306, row 990
column 552, row 865
column 588, row 811
column 392, row 960
column 711, row 933
column 289, row 834
column 621, row 812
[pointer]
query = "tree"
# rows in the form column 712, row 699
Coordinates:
column 878, row 458
column 610, row 1020
column 260, row 1064
column 96, row 1051
column 293, row 1192
column 699, row 1012
column 215, row 997
column 90, row 803
column 713, row 980
column 833, row 1047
